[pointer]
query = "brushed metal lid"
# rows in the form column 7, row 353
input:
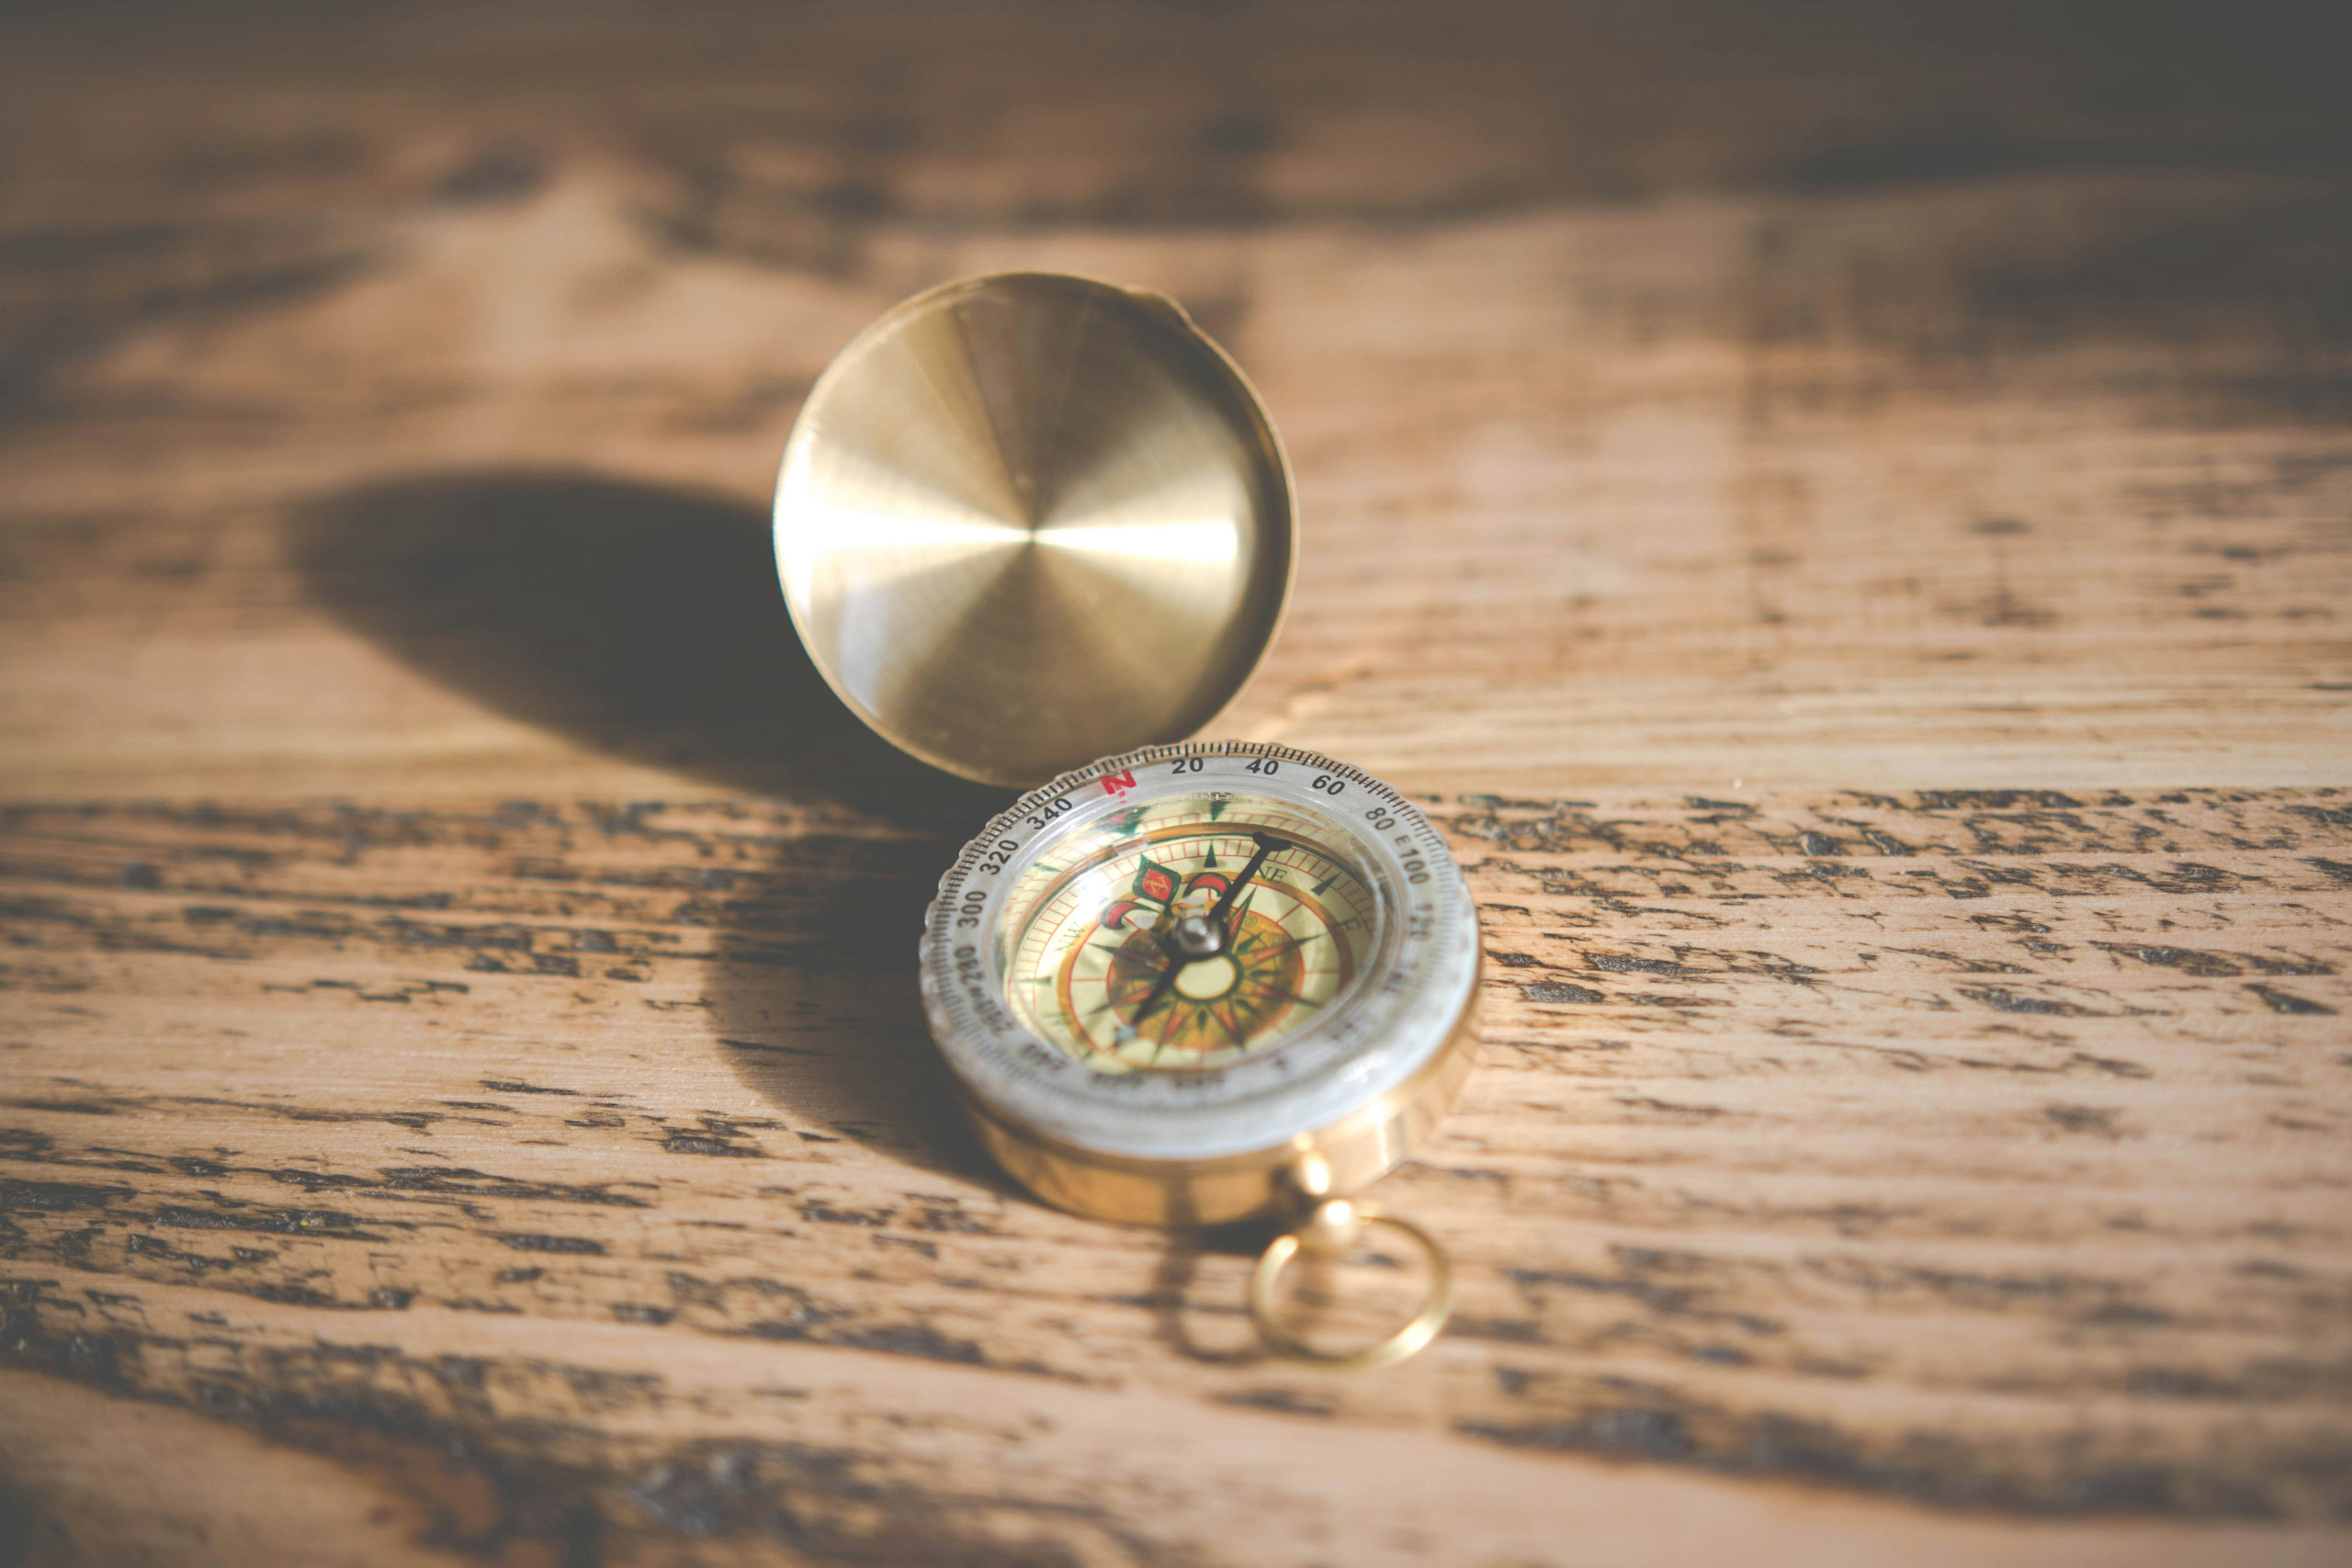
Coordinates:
column 1029, row 520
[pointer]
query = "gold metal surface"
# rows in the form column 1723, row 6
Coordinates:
column 1029, row 520
column 1345, row 1227
column 1334, row 1160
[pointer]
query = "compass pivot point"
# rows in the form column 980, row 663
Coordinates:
column 1197, row 938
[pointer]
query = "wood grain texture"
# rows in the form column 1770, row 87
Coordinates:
column 1843, row 519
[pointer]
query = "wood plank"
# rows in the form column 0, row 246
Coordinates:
column 1978, row 1148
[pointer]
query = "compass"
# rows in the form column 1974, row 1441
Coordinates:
column 1029, row 519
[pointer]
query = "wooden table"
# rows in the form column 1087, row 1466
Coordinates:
column 1841, row 513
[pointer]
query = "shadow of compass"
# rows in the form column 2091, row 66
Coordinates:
column 646, row 622
column 641, row 620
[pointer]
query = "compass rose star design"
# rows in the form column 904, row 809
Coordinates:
column 1218, row 1003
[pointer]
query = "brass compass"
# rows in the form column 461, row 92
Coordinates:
column 1027, row 520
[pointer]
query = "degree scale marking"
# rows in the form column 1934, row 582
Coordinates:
column 1418, row 962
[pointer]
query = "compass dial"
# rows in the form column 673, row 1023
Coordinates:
column 1187, row 933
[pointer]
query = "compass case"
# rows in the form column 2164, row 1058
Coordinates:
column 1038, row 527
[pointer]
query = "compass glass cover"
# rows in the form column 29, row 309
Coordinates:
column 1188, row 934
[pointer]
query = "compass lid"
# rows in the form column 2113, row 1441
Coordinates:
column 1029, row 520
